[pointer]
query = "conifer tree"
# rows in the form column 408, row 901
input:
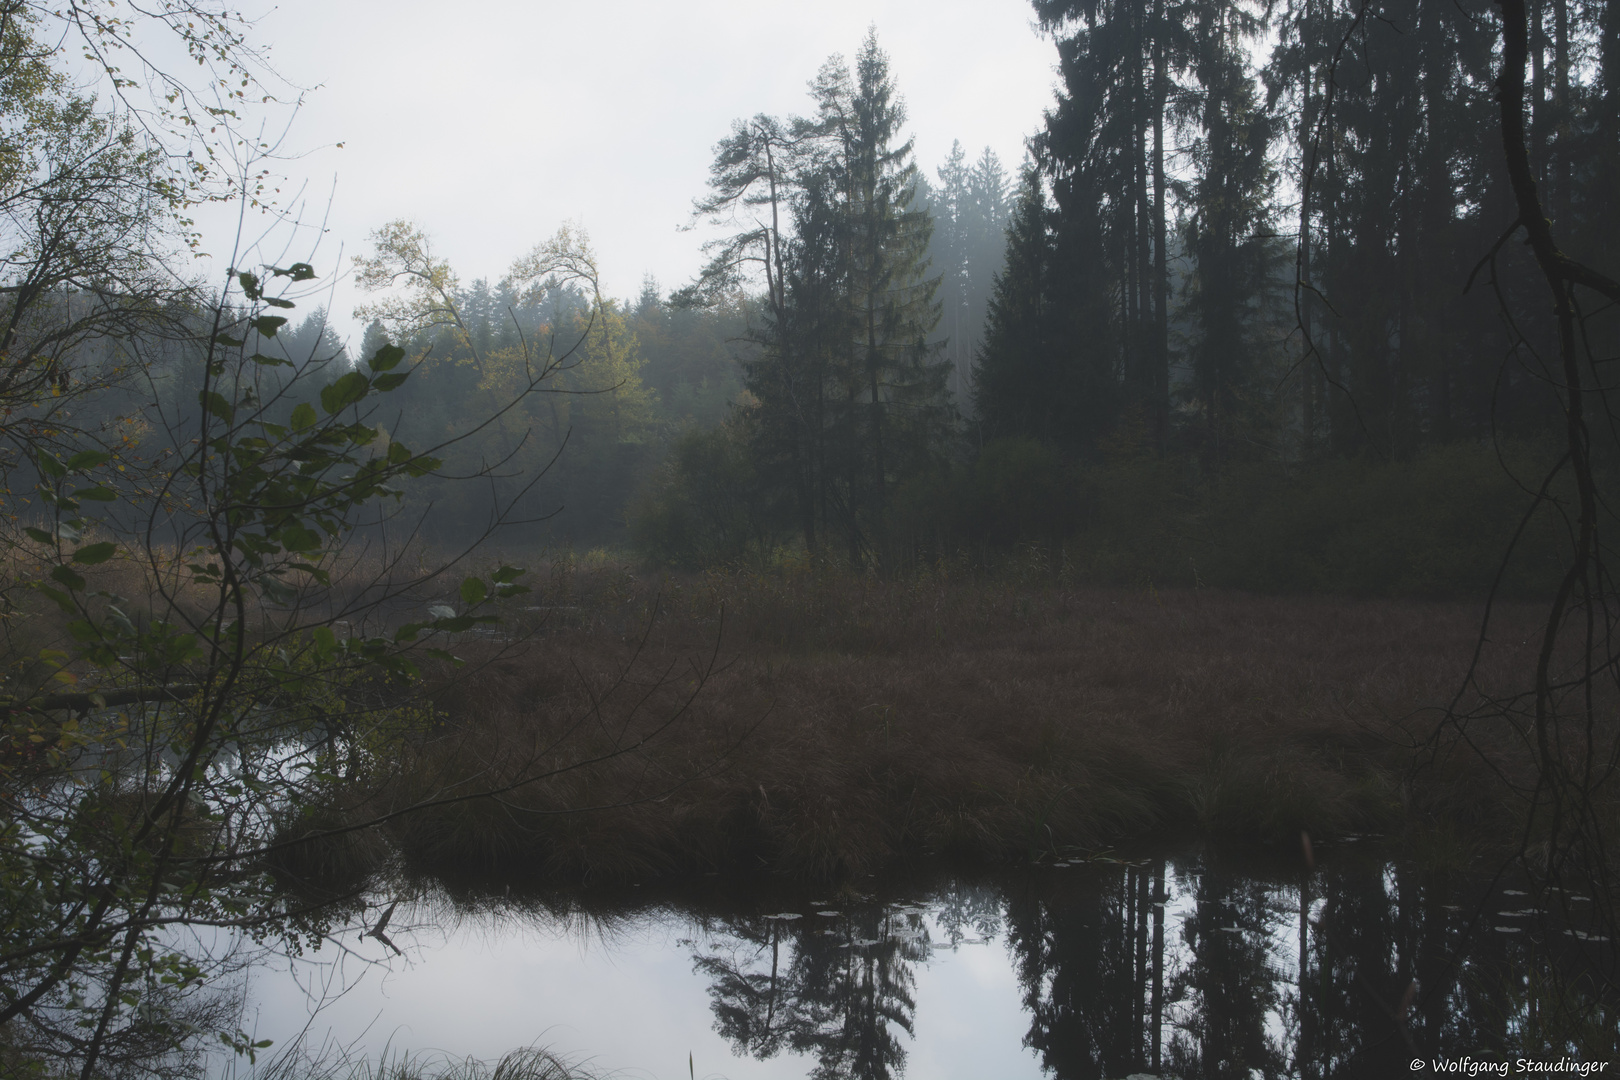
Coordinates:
column 891, row 296
column 848, row 396
column 1230, row 209
column 1103, row 150
column 1014, row 391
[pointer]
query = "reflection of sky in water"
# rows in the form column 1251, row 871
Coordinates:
column 1033, row 975
column 627, row 999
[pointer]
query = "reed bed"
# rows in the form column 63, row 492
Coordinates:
column 824, row 725
column 528, row 1063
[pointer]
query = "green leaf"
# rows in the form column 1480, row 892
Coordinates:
column 385, row 383
column 298, row 538
column 299, row 271
column 63, row 576
column 87, row 459
column 267, row 325
column 120, row 621
column 277, row 590
column 325, row 641
column 312, row 570
column 388, row 358
column 226, row 339
column 402, row 665
column 269, row 361
column 39, row 534
column 473, row 592
column 303, row 417
column 62, row 599
column 183, row 647
column 421, row 465
column 276, row 301
column 97, row 494
column 91, row 554
column 507, row 574
column 49, row 466
column 345, row 392
column 216, row 404
column 250, row 285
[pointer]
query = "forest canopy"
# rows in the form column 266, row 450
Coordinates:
column 1229, row 324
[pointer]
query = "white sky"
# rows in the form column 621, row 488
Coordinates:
column 491, row 123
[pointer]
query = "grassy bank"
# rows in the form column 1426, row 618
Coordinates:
column 827, row 725
column 530, row 1063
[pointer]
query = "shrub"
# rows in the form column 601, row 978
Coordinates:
column 704, row 506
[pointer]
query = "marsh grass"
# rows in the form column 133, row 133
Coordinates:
column 527, row 1063
column 822, row 723
column 849, row 722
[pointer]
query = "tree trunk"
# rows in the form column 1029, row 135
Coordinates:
column 1161, row 275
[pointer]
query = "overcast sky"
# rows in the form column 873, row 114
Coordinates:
column 491, row 123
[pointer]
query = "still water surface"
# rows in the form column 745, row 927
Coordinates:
column 1189, row 966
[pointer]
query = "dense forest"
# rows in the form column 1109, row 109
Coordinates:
column 1245, row 315
column 1229, row 323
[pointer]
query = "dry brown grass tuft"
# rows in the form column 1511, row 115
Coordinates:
column 859, row 721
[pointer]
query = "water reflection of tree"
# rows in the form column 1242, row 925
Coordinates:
column 1358, row 962
column 1091, row 961
column 961, row 909
column 1380, row 982
column 746, row 984
column 841, row 990
column 1228, row 991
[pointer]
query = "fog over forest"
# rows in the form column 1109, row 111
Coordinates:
column 901, row 360
column 1136, row 479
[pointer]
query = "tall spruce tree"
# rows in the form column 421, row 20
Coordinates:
column 1044, row 370
column 849, row 396
column 1015, row 389
column 901, row 398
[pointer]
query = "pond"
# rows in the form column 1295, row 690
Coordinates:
column 1190, row 965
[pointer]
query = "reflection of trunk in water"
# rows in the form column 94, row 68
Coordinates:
column 1157, row 1006
column 1306, row 977
column 1091, row 973
column 1226, row 988
column 1303, row 1033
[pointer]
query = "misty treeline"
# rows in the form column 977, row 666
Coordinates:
column 1230, row 322
column 558, row 467
column 1148, row 395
